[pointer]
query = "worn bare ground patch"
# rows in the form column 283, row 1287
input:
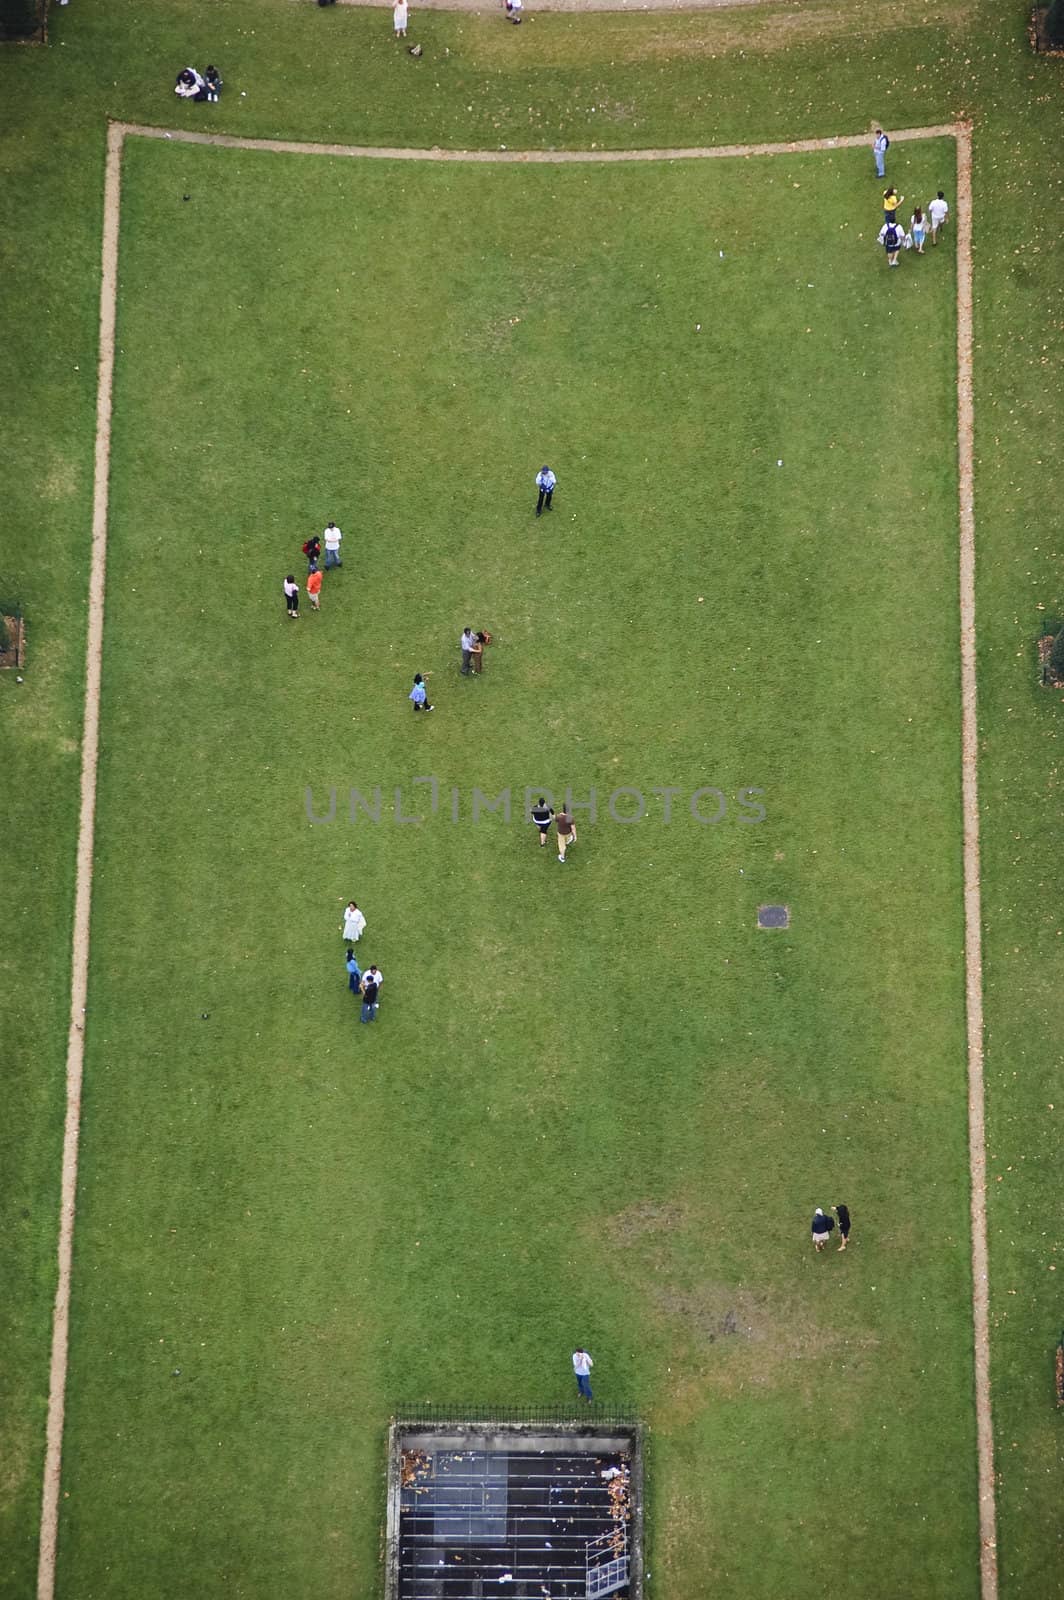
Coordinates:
column 61, row 479
column 710, row 33
column 727, row 1337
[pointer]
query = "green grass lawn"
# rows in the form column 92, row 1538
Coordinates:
column 673, row 1265
column 597, row 1105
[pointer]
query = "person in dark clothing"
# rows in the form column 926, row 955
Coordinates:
column 212, row 82
column 822, row 1226
column 542, row 815
column 843, row 1214
column 312, row 551
column 545, row 483
column 369, row 999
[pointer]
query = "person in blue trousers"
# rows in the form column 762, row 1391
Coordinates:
column 582, row 1364
column 354, row 976
column 370, row 991
column 880, row 146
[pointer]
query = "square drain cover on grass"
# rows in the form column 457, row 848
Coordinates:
column 773, row 917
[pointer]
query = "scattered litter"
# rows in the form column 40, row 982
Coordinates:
column 413, row 1466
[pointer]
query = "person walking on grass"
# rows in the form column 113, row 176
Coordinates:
column 314, row 587
column 542, row 814
column 467, row 644
column 354, row 975
column 312, row 551
column 822, row 1226
column 370, row 991
column 892, row 237
column 354, row 923
column 332, row 537
column 566, row 832
column 291, row 596
column 880, row 146
column 582, row 1364
column 938, row 211
column 891, row 201
column 419, row 694
column 480, row 639
column 843, row 1214
column 545, row 483
column 399, row 18
column 918, row 230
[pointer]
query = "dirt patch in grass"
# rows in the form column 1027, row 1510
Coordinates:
column 718, row 33
column 12, row 642
column 642, row 1218
column 60, row 481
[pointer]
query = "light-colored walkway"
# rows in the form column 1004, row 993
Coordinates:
column 117, row 134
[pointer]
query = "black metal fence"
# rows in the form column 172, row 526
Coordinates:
column 433, row 1413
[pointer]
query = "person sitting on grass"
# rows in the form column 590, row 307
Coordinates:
column 189, row 85
column 212, row 82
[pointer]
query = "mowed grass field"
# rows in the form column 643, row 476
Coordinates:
column 597, row 1106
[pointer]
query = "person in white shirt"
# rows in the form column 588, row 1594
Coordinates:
column 545, row 482
column 513, row 10
column 399, row 18
column 189, row 85
column 892, row 237
column 467, row 644
column 331, row 540
column 354, row 923
column 938, row 211
column 918, row 230
column 291, row 596
column 582, row 1364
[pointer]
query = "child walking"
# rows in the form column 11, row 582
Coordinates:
column 918, row 227
column 291, row 596
column 419, row 695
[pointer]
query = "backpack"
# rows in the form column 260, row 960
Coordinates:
column 890, row 238
column 886, row 143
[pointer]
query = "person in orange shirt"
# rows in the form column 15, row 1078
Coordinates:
column 314, row 588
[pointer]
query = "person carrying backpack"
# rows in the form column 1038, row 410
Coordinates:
column 892, row 238
column 880, row 146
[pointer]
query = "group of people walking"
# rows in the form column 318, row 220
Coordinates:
column 365, row 986
column 922, row 224
column 925, row 222
column 331, row 538
column 543, row 815
column 824, row 1226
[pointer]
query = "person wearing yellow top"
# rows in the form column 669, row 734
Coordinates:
column 891, row 201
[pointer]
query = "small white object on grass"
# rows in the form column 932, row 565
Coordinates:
column 698, row 327
column 779, row 463
column 722, row 255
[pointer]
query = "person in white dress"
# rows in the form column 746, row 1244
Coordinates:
column 399, row 18
column 354, row 923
